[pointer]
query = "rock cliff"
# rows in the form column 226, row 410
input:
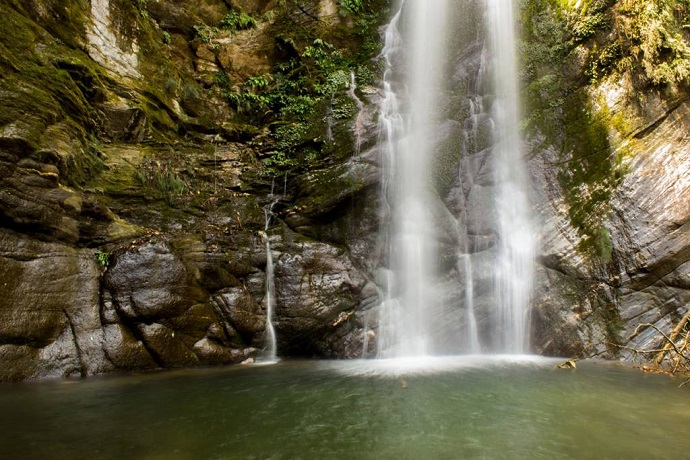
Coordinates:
column 144, row 146
column 139, row 145
column 609, row 155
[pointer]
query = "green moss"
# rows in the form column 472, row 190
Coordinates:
column 65, row 20
column 614, row 325
column 653, row 35
column 52, row 90
column 593, row 171
column 561, row 107
column 161, row 178
column 308, row 85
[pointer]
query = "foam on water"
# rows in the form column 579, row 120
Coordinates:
column 426, row 365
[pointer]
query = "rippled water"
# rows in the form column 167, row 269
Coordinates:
column 454, row 408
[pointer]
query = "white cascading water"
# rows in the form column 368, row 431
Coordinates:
column 476, row 119
column 270, row 351
column 516, row 234
column 358, row 127
column 405, row 322
column 411, row 301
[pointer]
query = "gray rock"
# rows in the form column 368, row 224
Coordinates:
column 49, row 312
column 317, row 292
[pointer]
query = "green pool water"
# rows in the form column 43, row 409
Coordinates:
column 445, row 408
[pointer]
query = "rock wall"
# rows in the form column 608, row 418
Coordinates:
column 611, row 183
column 644, row 280
column 134, row 189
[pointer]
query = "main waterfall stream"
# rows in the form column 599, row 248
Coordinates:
column 405, row 329
column 420, row 314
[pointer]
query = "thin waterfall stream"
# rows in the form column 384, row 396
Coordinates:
column 270, row 353
column 358, row 127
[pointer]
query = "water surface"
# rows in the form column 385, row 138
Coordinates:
column 454, row 408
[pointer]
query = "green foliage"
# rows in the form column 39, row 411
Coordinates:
column 351, row 6
column 296, row 105
column 625, row 37
column 204, row 33
column 603, row 61
column 603, row 244
column 222, row 79
column 288, row 136
column 290, row 149
column 293, row 91
column 344, row 108
column 309, row 79
column 560, row 108
column 249, row 98
column 259, row 82
column 367, row 74
column 237, row 20
column 652, row 33
column 167, row 39
column 143, row 12
column 103, row 258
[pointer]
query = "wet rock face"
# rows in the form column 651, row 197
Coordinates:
column 32, row 196
column 62, row 317
column 650, row 231
column 318, row 291
column 49, row 312
column 150, row 295
column 597, row 304
column 148, row 284
column 130, row 200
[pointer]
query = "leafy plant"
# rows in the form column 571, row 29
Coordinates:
column 205, row 33
column 344, row 108
column 237, row 20
column 249, row 98
column 143, row 12
column 259, row 82
column 652, row 32
column 351, row 6
column 103, row 258
column 311, row 76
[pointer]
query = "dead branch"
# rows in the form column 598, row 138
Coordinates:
column 671, row 350
column 671, row 340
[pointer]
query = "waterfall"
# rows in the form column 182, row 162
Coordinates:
column 515, row 233
column 476, row 122
column 271, row 346
column 359, row 119
column 418, row 307
column 406, row 320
